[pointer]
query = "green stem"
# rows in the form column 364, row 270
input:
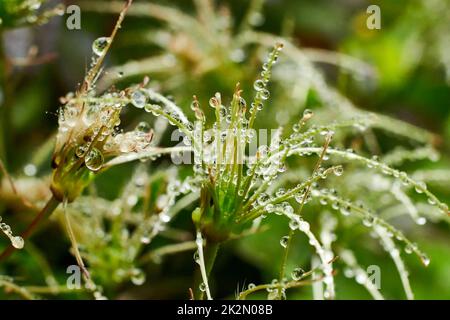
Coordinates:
column 211, row 251
column 285, row 256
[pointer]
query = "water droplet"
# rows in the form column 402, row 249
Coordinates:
column 242, row 103
column 30, row 170
column 345, row 210
column 138, row 99
column 94, row 160
column 297, row 273
column 338, row 171
column 263, row 198
column 307, row 114
column 251, row 286
column 202, row 287
column 145, row 239
column 143, row 127
column 420, row 187
column 425, row 259
column 303, row 226
column 349, row 273
column 280, row 192
column 138, row 277
column 196, row 257
column 99, row 45
column 299, row 197
column 259, row 85
column 213, row 102
column 409, row 249
column 284, row 241
column 17, row 242
column 368, row 221
column 265, row 94
column 421, row 221
column 293, row 224
column 81, row 150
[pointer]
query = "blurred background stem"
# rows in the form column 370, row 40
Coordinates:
column 5, row 101
column 2, row 99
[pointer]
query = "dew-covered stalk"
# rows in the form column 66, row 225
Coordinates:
column 305, row 196
column 389, row 246
column 73, row 241
column 383, row 168
column 204, row 286
column 354, row 270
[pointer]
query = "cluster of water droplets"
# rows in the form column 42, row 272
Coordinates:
column 137, row 140
column 165, row 202
column 369, row 219
column 261, row 84
column 16, row 241
column 277, row 290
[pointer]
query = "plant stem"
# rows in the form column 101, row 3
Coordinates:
column 285, row 256
column 51, row 205
column 211, row 251
column 3, row 104
column 305, row 196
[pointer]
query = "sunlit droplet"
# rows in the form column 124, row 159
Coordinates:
column 94, row 160
column 100, row 44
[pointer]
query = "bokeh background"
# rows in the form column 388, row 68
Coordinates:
column 406, row 75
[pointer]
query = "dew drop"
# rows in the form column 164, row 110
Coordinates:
column 143, row 127
column 196, row 257
column 94, row 160
column 265, row 94
column 345, row 211
column 425, row 259
column 202, row 287
column 145, row 239
column 421, row 221
column 100, row 44
column 259, row 85
column 138, row 277
column 30, row 170
column 17, row 242
column 368, row 221
column 81, row 150
column 138, row 99
column 280, row 192
column 420, row 187
column 263, row 198
column 293, row 224
column 297, row 274
column 303, row 226
column 408, row 249
column 338, row 171
column 284, row 241
column 308, row 113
